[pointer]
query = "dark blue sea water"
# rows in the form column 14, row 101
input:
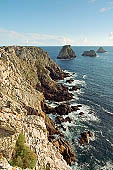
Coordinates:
column 95, row 78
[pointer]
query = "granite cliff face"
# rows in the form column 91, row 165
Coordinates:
column 66, row 53
column 27, row 77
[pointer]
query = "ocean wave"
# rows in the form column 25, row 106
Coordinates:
column 108, row 166
column 107, row 111
column 84, row 76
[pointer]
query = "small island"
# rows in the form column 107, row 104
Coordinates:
column 90, row 53
column 101, row 50
column 66, row 53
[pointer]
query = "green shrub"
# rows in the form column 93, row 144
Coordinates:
column 23, row 157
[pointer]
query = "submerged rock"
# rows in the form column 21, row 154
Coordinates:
column 90, row 53
column 66, row 53
column 101, row 50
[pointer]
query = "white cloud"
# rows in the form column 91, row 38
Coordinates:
column 110, row 7
column 105, row 9
column 111, row 36
column 14, row 38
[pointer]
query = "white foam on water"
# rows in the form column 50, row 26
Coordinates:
column 89, row 114
column 75, row 82
column 107, row 111
column 108, row 166
column 84, row 76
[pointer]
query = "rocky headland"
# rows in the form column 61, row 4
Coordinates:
column 66, row 53
column 90, row 53
column 28, row 77
column 101, row 50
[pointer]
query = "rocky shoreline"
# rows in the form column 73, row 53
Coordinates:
column 28, row 77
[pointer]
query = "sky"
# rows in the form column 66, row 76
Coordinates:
column 56, row 22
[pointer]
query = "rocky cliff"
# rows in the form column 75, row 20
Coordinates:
column 27, row 78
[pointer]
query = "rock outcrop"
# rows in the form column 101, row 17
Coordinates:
column 101, row 50
column 26, row 75
column 86, row 137
column 66, row 53
column 90, row 53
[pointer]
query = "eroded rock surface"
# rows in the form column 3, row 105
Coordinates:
column 90, row 53
column 25, row 79
column 101, row 50
column 66, row 53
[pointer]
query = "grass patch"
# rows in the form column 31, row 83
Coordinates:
column 23, row 157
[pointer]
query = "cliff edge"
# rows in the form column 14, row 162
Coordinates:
column 27, row 78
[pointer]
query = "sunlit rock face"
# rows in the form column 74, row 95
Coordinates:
column 66, row 53
column 22, row 92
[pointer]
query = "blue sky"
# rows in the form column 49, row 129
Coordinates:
column 56, row 22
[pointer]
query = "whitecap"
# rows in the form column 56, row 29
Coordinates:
column 84, row 76
column 108, row 166
column 107, row 111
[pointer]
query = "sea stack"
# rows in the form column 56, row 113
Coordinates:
column 90, row 53
column 101, row 50
column 66, row 53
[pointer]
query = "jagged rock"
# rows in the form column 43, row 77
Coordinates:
column 68, row 119
column 63, row 109
column 85, row 137
column 22, row 69
column 66, row 53
column 101, row 50
column 74, row 88
column 81, row 113
column 69, row 81
column 90, row 53
column 65, row 150
column 75, row 108
column 59, row 119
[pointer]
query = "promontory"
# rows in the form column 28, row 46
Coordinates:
column 29, row 138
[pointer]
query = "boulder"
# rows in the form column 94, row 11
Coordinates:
column 59, row 119
column 66, row 53
column 74, row 108
column 81, row 113
column 90, row 53
column 68, row 119
column 86, row 137
column 101, row 50
column 63, row 109
column 69, row 81
column 74, row 88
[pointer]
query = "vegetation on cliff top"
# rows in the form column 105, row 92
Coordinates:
column 22, row 156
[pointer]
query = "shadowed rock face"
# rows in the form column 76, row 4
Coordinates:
column 90, row 53
column 101, row 50
column 66, row 53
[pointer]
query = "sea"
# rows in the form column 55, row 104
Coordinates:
column 94, row 76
